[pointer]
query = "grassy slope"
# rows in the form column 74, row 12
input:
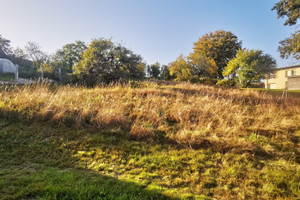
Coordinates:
column 128, row 156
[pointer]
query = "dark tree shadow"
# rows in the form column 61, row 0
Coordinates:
column 33, row 165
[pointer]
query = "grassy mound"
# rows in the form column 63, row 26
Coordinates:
column 157, row 141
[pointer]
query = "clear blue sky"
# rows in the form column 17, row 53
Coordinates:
column 158, row 30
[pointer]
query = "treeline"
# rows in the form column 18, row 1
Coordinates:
column 218, row 58
column 102, row 61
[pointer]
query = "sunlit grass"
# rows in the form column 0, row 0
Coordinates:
column 190, row 115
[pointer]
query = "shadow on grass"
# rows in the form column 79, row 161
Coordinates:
column 54, row 183
column 35, row 163
column 39, row 160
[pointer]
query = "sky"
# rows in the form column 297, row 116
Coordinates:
column 158, row 30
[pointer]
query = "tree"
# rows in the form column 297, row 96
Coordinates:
column 18, row 53
column 203, row 67
column 154, row 70
column 220, row 46
column 290, row 46
column 5, row 48
column 69, row 55
column 290, row 9
column 26, row 67
column 165, row 72
column 104, row 61
column 182, row 70
column 35, row 54
column 249, row 66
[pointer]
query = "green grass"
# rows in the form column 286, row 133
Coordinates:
column 7, row 77
column 37, row 163
column 42, row 161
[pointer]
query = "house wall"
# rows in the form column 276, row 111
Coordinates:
column 281, row 79
column 294, row 83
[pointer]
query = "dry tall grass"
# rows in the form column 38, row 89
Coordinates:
column 191, row 115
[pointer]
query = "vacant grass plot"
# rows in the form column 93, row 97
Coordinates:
column 147, row 141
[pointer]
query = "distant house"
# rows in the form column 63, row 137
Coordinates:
column 284, row 77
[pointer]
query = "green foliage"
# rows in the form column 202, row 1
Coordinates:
column 154, row 70
column 220, row 47
column 290, row 46
column 106, row 62
column 289, row 9
column 68, row 56
column 249, row 65
column 165, row 72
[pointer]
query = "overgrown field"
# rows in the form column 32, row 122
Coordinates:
column 147, row 141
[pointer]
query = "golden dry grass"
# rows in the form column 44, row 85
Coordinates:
column 191, row 115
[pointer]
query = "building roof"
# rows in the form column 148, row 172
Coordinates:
column 287, row 67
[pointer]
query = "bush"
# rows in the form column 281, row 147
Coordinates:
column 257, row 85
column 226, row 82
column 208, row 81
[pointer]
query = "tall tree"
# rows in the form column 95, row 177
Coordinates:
column 35, row 54
column 221, row 46
column 5, row 48
column 290, row 9
column 105, row 61
column 249, row 65
column 69, row 55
